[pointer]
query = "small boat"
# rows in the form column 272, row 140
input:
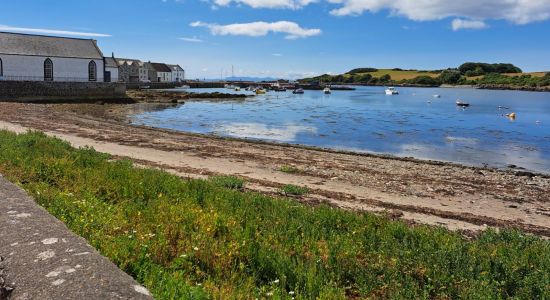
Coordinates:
column 392, row 91
column 327, row 90
column 511, row 116
column 298, row 91
column 462, row 104
column 237, row 89
column 260, row 91
column 437, row 96
column 185, row 87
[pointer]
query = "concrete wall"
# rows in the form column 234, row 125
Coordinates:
column 23, row 91
column 31, row 68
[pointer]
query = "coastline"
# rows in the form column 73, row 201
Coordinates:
column 459, row 197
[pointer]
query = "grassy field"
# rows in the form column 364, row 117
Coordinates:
column 197, row 239
column 400, row 75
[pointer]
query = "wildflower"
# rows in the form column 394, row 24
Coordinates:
column 291, row 293
column 276, row 281
column 196, row 248
column 269, row 294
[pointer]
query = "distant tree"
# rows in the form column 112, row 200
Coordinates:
column 385, row 78
column 450, row 76
column 484, row 68
column 424, row 80
column 362, row 70
column 365, row 78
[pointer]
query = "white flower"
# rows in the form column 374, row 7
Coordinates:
column 196, row 248
column 276, row 281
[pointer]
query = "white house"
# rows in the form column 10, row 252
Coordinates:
column 111, row 69
column 178, row 74
column 161, row 73
column 48, row 58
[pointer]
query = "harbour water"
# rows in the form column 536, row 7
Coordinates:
column 411, row 124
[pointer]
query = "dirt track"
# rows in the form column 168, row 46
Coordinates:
column 459, row 197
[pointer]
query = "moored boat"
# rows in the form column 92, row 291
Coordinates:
column 298, row 91
column 462, row 103
column 327, row 90
column 260, row 91
column 392, row 91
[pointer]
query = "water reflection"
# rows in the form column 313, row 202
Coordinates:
column 366, row 120
column 284, row 133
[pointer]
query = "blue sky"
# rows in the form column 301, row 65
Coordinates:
column 295, row 38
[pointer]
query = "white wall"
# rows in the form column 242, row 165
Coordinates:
column 18, row 67
column 114, row 73
column 178, row 75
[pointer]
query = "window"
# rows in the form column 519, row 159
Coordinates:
column 48, row 70
column 92, row 71
column 1, row 68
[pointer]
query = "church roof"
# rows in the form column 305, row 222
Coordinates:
column 51, row 46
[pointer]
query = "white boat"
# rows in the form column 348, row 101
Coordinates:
column 237, row 89
column 327, row 90
column 392, row 91
column 185, row 87
column 260, row 91
column 461, row 103
column 298, row 91
column 437, row 96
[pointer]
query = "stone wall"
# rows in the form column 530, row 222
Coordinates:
column 37, row 91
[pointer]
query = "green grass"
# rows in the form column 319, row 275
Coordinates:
column 399, row 75
column 192, row 239
column 294, row 190
column 230, row 182
column 290, row 169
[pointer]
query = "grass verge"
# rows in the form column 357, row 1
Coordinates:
column 195, row 239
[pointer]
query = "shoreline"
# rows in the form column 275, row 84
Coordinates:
column 459, row 197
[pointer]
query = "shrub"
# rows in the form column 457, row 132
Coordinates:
column 227, row 181
column 294, row 190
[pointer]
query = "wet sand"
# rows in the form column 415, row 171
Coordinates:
column 420, row 192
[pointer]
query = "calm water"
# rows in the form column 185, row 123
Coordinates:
column 413, row 123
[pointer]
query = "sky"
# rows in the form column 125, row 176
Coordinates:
column 298, row 38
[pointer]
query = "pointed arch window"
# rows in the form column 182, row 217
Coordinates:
column 92, row 71
column 48, row 70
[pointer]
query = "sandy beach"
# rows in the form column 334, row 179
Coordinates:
column 458, row 197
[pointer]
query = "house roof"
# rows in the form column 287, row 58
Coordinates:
column 53, row 46
column 111, row 62
column 129, row 61
column 175, row 67
column 159, row 67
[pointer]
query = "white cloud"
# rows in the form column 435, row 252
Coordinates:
column 292, row 4
column 191, row 39
column 256, row 29
column 51, row 31
column 459, row 24
column 277, row 54
column 516, row 11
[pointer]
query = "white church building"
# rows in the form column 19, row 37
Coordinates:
column 48, row 58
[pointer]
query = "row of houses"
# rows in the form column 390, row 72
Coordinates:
column 48, row 58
